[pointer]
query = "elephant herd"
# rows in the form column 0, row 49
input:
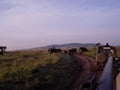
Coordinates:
column 2, row 49
column 55, row 50
column 69, row 51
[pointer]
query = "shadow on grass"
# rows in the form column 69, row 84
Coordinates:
column 55, row 76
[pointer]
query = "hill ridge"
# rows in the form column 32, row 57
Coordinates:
column 67, row 45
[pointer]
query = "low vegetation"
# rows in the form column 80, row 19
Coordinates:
column 92, row 52
column 31, row 70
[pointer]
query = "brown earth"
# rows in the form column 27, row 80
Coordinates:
column 85, row 74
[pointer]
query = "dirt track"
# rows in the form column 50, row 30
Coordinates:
column 84, row 75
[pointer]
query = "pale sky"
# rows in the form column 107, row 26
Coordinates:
column 35, row 23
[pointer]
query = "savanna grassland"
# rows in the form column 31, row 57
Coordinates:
column 92, row 52
column 38, row 70
column 32, row 70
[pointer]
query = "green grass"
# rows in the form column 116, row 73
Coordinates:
column 30, row 70
column 92, row 52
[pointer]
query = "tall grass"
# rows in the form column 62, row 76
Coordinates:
column 92, row 52
column 36, row 70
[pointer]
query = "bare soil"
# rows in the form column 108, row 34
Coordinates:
column 85, row 74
